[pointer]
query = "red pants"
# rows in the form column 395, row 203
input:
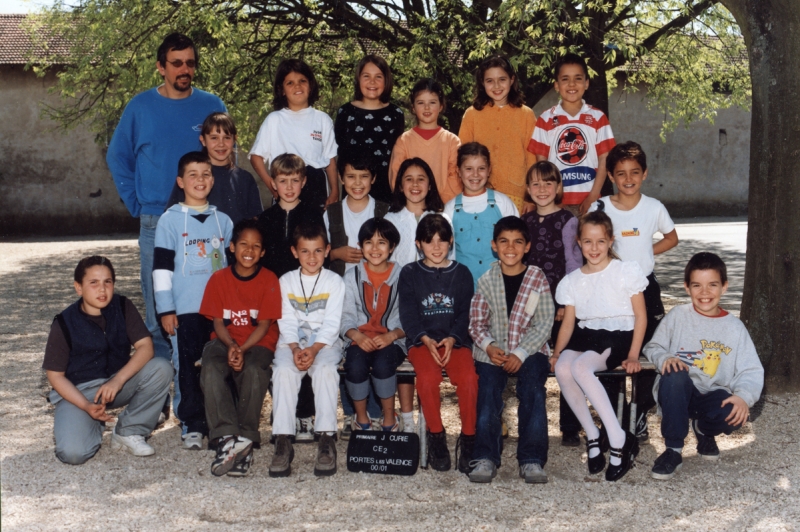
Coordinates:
column 461, row 371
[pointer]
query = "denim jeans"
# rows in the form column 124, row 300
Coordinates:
column 374, row 409
column 147, row 239
column 532, row 412
column 680, row 400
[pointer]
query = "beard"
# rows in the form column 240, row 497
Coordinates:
column 183, row 83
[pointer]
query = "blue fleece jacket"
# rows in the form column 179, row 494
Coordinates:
column 153, row 134
column 190, row 246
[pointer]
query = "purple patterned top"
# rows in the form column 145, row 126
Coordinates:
column 554, row 247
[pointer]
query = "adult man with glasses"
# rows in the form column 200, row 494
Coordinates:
column 157, row 127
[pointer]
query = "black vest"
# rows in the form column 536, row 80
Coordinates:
column 94, row 353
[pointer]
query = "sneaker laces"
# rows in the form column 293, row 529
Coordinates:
column 303, row 424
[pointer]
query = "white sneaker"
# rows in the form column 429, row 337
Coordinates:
column 134, row 444
column 192, row 441
column 409, row 426
column 304, row 430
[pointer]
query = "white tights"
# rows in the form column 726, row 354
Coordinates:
column 575, row 375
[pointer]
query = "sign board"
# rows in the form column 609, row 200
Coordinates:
column 386, row 453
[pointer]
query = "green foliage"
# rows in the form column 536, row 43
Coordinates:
column 682, row 50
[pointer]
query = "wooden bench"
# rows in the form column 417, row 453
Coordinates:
column 407, row 370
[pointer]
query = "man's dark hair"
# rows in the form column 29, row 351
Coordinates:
column 570, row 59
column 705, row 261
column 432, row 225
column 627, row 151
column 381, row 227
column 286, row 67
column 511, row 223
column 309, row 231
column 242, row 225
column 356, row 162
column 192, row 157
column 87, row 262
column 175, row 41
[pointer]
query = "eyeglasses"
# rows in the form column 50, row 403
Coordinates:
column 191, row 63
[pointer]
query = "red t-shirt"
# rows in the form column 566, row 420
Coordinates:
column 241, row 302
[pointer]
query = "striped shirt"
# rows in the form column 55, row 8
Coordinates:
column 573, row 144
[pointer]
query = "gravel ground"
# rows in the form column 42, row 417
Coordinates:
column 754, row 486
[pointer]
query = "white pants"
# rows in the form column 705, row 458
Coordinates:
column 286, row 385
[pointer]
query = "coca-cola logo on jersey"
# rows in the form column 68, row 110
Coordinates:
column 572, row 146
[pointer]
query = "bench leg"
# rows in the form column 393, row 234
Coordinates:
column 634, row 378
column 423, row 441
column 621, row 402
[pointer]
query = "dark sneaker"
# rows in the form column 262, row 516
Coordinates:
column 281, row 465
column 642, row 434
column 666, row 465
column 482, row 471
column 241, row 467
column 570, row 439
column 465, row 445
column 229, row 450
column 325, row 464
column 706, row 445
column 438, row 453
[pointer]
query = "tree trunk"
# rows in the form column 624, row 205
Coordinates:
column 772, row 271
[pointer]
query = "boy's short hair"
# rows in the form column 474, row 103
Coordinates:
column 87, row 262
column 383, row 228
column 432, row 225
column 383, row 66
column 192, row 157
column 627, row 151
column 175, row 41
column 287, row 164
column 705, row 261
column 309, row 231
column 286, row 67
column 356, row 162
column 511, row 223
column 241, row 225
column 570, row 59
column 546, row 171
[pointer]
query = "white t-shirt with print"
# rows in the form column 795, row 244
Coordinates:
column 307, row 133
column 634, row 229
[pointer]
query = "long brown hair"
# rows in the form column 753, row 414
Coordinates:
column 598, row 218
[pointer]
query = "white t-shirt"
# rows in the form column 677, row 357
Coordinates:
column 307, row 133
column 406, row 223
column 634, row 229
column 602, row 300
column 352, row 224
column 479, row 203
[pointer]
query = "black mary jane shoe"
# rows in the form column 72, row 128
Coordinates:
column 627, row 454
column 598, row 463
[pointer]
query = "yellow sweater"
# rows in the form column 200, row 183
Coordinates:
column 506, row 131
column 441, row 154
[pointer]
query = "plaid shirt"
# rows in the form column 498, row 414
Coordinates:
column 528, row 328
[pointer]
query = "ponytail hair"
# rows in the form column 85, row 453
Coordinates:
column 601, row 219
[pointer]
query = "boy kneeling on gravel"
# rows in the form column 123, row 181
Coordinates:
column 709, row 369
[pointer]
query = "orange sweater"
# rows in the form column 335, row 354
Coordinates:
column 506, row 131
column 441, row 154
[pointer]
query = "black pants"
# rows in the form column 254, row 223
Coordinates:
column 193, row 331
column 316, row 190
